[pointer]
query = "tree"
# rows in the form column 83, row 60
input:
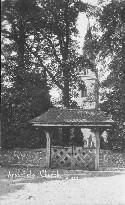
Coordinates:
column 112, row 41
column 25, row 93
column 56, row 50
column 106, row 39
column 43, row 33
column 18, row 108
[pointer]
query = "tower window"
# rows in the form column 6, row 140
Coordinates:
column 86, row 72
column 83, row 89
column 84, row 92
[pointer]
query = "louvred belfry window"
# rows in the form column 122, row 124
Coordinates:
column 86, row 72
column 84, row 93
column 83, row 89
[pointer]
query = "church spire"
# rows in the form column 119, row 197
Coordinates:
column 89, row 53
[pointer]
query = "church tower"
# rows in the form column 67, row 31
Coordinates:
column 88, row 92
column 86, row 89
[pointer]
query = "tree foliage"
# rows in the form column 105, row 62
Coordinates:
column 55, row 26
column 106, row 39
column 25, row 93
column 112, row 41
column 38, row 42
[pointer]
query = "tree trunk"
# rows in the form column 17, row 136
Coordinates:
column 21, row 58
column 123, row 51
column 66, row 68
column 0, row 136
column 96, row 90
column 66, row 92
column 66, row 98
column 66, row 136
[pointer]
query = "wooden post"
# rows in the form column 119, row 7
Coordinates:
column 72, row 159
column 0, row 138
column 48, row 150
column 97, row 149
column 72, row 147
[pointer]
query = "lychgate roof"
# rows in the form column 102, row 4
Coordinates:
column 74, row 117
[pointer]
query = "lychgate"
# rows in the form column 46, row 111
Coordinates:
column 83, row 155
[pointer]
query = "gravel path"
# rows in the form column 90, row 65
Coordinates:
column 107, row 190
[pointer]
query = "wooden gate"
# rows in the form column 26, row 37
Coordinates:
column 61, row 157
column 72, row 158
column 84, row 158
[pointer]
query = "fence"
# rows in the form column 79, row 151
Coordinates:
column 37, row 157
column 33, row 157
column 109, row 159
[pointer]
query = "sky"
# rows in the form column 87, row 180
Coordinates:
column 82, row 23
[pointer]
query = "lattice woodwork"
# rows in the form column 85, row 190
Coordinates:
column 61, row 157
column 72, row 158
column 84, row 158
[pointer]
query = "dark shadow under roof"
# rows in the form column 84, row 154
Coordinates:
column 75, row 117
